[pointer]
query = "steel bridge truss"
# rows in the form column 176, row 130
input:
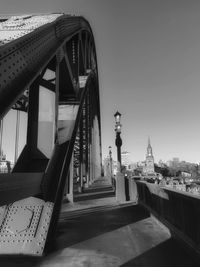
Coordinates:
column 51, row 74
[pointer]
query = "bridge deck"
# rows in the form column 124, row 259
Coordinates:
column 123, row 236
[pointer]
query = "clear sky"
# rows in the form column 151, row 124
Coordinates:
column 149, row 69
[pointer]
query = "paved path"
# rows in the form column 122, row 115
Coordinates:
column 86, row 204
column 127, row 236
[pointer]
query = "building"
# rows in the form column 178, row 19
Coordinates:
column 149, row 163
column 5, row 165
column 126, row 159
column 161, row 164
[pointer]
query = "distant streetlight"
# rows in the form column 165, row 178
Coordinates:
column 117, row 117
column 118, row 140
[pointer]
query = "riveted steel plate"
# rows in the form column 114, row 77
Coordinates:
column 16, row 26
column 24, row 226
column 20, row 220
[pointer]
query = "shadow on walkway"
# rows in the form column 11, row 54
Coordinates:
column 79, row 229
column 166, row 254
column 125, row 237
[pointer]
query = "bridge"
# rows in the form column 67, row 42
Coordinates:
column 49, row 84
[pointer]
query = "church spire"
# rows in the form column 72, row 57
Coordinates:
column 149, row 166
column 149, row 148
column 149, row 143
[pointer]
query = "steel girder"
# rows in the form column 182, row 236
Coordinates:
column 58, row 62
column 23, row 59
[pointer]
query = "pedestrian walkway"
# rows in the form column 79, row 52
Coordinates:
column 91, row 206
column 106, row 233
column 102, row 181
column 100, row 188
column 125, row 235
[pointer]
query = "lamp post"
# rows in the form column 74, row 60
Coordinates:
column 118, row 140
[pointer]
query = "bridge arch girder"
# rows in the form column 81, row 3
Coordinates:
column 51, row 73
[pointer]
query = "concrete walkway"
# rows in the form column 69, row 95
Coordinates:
column 123, row 236
column 87, row 204
column 100, row 188
column 113, row 248
column 127, row 236
column 106, row 233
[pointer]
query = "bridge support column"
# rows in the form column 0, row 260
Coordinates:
column 96, row 150
column 70, row 195
column 91, row 165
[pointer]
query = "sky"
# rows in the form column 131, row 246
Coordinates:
column 148, row 54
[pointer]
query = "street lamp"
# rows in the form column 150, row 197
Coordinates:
column 118, row 140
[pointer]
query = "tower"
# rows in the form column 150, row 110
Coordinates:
column 149, row 168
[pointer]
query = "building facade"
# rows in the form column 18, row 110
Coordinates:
column 126, row 159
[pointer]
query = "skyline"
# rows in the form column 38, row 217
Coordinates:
column 155, row 160
column 149, row 64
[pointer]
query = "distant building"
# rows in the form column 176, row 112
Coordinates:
column 149, row 164
column 161, row 164
column 175, row 162
column 5, row 165
column 133, row 166
column 186, row 174
column 169, row 163
column 198, row 168
column 126, row 159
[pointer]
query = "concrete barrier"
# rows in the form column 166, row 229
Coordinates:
column 133, row 194
column 120, row 187
column 179, row 211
